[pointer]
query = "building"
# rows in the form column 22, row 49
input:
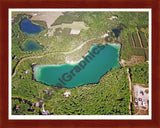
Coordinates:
column 21, row 77
column 26, row 71
column 36, row 104
column 45, row 91
column 45, row 112
column 17, row 107
column 51, row 92
column 67, row 94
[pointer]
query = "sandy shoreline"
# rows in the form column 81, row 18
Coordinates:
column 115, row 45
column 37, row 68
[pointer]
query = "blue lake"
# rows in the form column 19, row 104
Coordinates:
column 99, row 60
column 31, row 45
column 28, row 27
column 116, row 32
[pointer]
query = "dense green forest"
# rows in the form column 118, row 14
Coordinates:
column 139, row 74
column 109, row 97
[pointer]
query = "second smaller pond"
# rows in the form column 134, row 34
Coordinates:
column 116, row 32
column 31, row 45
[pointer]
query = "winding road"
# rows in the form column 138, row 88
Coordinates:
column 53, row 53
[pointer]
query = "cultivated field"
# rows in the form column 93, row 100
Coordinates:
column 48, row 17
column 74, row 26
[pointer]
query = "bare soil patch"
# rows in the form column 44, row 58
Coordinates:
column 141, row 99
column 135, row 60
column 49, row 17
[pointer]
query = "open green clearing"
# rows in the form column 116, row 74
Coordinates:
column 113, row 87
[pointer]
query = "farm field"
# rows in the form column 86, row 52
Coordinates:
column 48, row 17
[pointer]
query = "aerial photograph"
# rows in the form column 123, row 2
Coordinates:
column 79, row 62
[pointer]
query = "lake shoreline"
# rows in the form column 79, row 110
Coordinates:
column 37, row 69
column 113, row 44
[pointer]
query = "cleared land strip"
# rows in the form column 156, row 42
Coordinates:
column 80, row 46
column 133, row 41
column 130, row 88
column 139, row 39
column 53, row 53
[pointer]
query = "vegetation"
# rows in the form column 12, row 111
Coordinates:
column 144, row 40
column 109, row 97
column 136, row 40
column 19, row 107
column 130, row 40
column 40, row 23
column 20, row 16
column 17, row 37
column 68, row 17
column 140, row 74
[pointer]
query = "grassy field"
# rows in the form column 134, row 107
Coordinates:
column 131, row 41
column 143, row 39
column 74, row 25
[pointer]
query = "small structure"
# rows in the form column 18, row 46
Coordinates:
column 144, row 104
column 21, row 77
column 105, row 35
column 119, row 99
column 45, row 112
column 41, row 103
column 33, row 64
column 34, row 110
column 17, row 107
column 45, row 91
column 34, row 14
column 140, row 99
column 67, row 94
column 113, row 17
column 136, row 103
column 36, row 104
column 14, row 57
column 141, row 92
column 122, row 62
column 51, row 92
column 26, row 71
column 74, row 31
column 12, row 19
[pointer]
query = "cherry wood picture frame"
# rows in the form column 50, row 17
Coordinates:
column 4, row 46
